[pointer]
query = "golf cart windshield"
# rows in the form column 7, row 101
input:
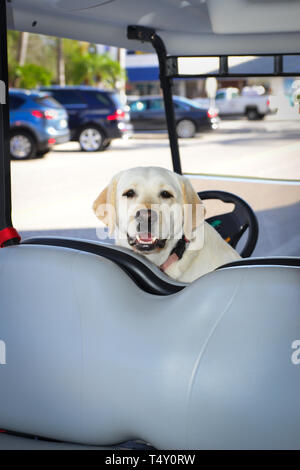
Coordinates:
column 197, row 43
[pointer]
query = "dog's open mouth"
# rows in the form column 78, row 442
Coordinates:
column 145, row 242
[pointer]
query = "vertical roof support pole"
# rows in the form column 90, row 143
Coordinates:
column 143, row 33
column 166, row 86
column 8, row 235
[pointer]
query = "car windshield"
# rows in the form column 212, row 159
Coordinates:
column 182, row 99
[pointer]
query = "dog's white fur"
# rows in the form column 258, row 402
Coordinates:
column 206, row 249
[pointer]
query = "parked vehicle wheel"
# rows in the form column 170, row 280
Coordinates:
column 22, row 145
column 42, row 153
column 252, row 114
column 106, row 144
column 91, row 139
column 185, row 129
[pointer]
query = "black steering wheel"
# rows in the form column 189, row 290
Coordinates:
column 232, row 226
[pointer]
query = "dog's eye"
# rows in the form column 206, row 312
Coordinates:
column 166, row 195
column 130, row 193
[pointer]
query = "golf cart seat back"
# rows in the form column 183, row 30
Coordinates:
column 142, row 272
column 92, row 358
column 232, row 225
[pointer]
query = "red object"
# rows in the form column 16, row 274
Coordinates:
column 119, row 114
column 8, row 234
column 268, row 102
column 212, row 112
column 38, row 114
column 48, row 114
column 51, row 141
column 2, row 430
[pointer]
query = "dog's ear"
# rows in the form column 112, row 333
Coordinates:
column 105, row 205
column 194, row 210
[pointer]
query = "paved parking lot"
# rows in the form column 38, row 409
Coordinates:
column 55, row 194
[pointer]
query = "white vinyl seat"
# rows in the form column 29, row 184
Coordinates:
column 94, row 358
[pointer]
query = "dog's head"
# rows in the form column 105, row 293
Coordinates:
column 147, row 206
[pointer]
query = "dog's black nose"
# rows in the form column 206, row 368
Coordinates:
column 146, row 216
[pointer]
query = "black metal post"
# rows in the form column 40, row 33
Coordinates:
column 278, row 64
column 149, row 35
column 166, row 86
column 5, row 188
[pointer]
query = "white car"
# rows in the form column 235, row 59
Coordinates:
column 251, row 102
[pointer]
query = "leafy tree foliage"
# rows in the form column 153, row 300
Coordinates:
column 83, row 65
column 32, row 75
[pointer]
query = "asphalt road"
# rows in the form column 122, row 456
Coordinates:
column 55, row 194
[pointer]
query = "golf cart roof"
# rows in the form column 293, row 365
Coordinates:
column 187, row 27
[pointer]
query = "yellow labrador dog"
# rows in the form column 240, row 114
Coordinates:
column 158, row 214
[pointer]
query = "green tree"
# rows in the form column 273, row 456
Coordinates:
column 12, row 48
column 84, row 65
column 40, row 50
column 32, row 75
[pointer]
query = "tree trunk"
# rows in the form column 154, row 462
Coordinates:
column 21, row 53
column 22, row 48
column 61, row 79
column 121, row 57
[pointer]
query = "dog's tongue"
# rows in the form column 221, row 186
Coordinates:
column 145, row 237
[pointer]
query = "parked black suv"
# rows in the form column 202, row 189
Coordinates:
column 95, row 116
